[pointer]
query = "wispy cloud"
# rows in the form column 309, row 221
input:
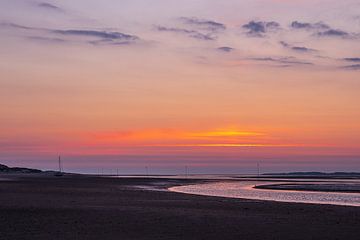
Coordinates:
column 102, row 36
column 49, row 6
column 333, row 33
column 201, row 29
column 91, row 36
column 187, row 32
column 16, row 26
column 47, row 39
column 284, row 61
column 297, row 48
column 351, row 67
column 352, row 59
column 321, row 29
column 309, row 26
column 225, row 49
column 204, row 24
column 260, row 28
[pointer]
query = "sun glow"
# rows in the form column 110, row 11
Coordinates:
column 187, row 138
column 227, row 145
column 174, row 135
column 226, row 133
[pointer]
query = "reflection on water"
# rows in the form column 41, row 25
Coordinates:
column 246, row 190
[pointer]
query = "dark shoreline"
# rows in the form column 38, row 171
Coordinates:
column 89, row 207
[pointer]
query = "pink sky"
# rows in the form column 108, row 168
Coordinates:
column 214, row 85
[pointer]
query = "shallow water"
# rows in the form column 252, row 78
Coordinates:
column 245, row 190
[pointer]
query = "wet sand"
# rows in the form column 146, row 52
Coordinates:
column 84, row 207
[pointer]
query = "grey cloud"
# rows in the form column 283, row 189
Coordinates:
column 110, row 42
column 258, row 29
column 206, row 24
column 225, row 49
column 14, row 25
column 195, row 28
column 354, row 59
column 297, row 48
column 288, row 61
column 203, row 36
column 49, row 6
column 47, row 39
column 102, row 37
column 189, row 33
column 98, row 34
column 263, row 59
column 351, row 67
column 321, row 29
column 309, row 26
column 333, row 33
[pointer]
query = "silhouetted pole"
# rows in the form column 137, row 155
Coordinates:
column 60, row 170
column 147, row 171
column 258, row 172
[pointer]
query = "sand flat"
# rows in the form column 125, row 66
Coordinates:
column 80, row 207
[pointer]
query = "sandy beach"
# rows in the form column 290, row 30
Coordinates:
column 87, row 207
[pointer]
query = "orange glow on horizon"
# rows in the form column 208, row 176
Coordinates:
column 226, row 133
column 161, row 135
column 227, row 145
column 162, row 138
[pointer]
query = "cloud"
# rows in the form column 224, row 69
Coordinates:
column 49, row 6
column 187, row 32
column 333, row 33
column 14, row 25
column 351, row 67
column 47, row 39
column 309, row 26
column 321, row 29
column 258, row 29
column 297, row 48
column 102, row 37
column 284, row 61
column 118, row 36
column 204, row 24
column 225, row 49
column 196, row 28
column 354, row 59
column 94, row 36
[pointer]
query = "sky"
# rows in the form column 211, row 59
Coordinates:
column 217, row 86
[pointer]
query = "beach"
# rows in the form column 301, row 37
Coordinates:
column 41, row 206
